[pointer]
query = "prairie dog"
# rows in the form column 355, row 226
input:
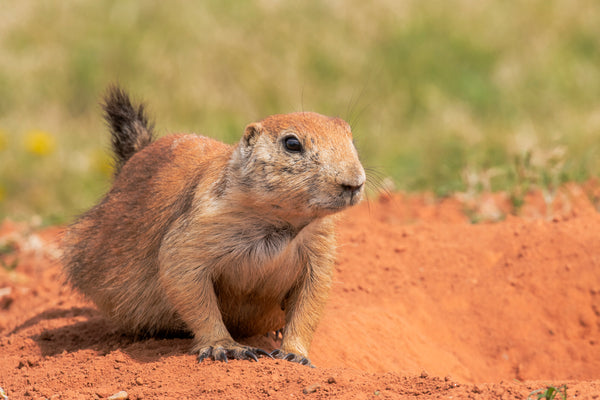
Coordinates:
column 221, row 241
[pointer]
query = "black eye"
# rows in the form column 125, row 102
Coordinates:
column 292, row 144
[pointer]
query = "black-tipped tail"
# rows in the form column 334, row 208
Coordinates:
column 129, row 126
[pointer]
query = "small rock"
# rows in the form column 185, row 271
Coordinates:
column 331, row 380
column 311, row 388
column 5, row 291
column 6, row 301
column 122, row 395
column 139, row 381
column 424, row 374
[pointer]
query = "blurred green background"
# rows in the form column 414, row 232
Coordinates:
column 443, row 96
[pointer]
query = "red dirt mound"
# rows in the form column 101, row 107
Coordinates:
column 488, row 310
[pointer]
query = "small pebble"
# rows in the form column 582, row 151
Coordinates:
column 331, row 380
column 311, row 388
column 122, row 395
column 139, row 381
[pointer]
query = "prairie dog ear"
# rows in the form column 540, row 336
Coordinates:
column 251, row 133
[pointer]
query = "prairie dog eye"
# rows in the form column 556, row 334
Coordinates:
column 292, row 144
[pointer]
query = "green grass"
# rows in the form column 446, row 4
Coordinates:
column 433, row 90
column 549, row 393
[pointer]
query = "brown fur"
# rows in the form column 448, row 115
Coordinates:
column 223, row 241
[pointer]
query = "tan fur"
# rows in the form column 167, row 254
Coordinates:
column 223, row 241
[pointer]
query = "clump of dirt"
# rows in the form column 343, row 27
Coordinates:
column 424, row 304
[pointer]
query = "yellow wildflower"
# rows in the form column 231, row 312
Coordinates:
column 39, row 142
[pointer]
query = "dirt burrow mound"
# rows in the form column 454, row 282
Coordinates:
column 424, row 303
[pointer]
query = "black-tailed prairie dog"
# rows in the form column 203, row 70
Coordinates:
column 221, row 241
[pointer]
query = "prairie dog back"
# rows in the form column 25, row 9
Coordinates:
column 221, row 241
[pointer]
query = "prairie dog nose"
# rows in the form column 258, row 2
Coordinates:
column 353, row 188
column 354, row 183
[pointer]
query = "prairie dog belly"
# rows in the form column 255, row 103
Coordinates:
column 254, row 304
column 251, row 316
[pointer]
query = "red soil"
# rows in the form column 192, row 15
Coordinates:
column 424, row 304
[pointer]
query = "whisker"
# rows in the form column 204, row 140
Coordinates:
column 379, row 184
column 352, row 117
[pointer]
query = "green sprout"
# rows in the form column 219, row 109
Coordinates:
column 549, row 393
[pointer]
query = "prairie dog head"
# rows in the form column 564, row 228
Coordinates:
column 300, row 165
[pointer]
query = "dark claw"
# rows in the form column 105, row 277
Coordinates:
column 226, row 353
column 276, row 353
column 261, row 352
column 291, row 357
column 220, row 355
column 306, row 361
column 201, row 358
column 206, row 353
column 250, row 355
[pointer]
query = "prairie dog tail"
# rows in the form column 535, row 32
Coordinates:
column 129, row 126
